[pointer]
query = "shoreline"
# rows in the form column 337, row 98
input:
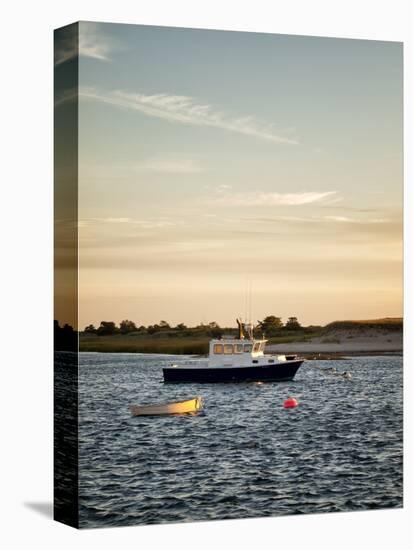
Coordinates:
column 309, row 356
column 335, row 355
column 337, row 340
column 301, row 348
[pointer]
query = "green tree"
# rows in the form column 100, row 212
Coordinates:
column 270, row 325
column 90, row 329
column 214, row 330
column 152, row 329
column 181, row 326
column 127, row 326
column 107, row 328
column 292, row 323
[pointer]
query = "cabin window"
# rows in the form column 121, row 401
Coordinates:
column 228, row 349
column 247, row 348
column 238, row 348
column 256, row 347
column 255, row 361
column 218, row 349
column 270, row 360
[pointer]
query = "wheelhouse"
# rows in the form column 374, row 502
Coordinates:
column 235, row 351
column 237, row 348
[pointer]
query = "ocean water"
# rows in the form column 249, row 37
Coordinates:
column 244, row 455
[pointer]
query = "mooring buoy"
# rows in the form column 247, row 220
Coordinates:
column 290, row 403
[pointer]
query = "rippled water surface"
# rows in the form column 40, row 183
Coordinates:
column 244, row 455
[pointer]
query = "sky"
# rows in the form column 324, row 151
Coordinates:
column 212, row 160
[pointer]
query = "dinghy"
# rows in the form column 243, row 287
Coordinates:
column 181, row 407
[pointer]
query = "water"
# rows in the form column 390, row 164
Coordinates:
column 244, row 455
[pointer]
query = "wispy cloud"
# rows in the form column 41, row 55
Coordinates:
column 321, row 220
column 185, row 110
column 66, row 43
column 346, row 219
column 223, row 188
column 341, row 219
column 88, row 41
column 66, row 96
column 170, row 165
column 93, row 42
column 158, row 223
column 115, row 220
column 275, row 199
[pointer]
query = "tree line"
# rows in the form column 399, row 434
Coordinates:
column 65, row 338
column 127, row 327
column 272, row 324
column 269, row 326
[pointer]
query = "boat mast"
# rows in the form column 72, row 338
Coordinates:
column 240, row 330
column 246, row 328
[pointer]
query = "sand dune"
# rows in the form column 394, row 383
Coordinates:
column 347, row 341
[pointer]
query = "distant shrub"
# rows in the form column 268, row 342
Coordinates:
column 107, row 328
column 391, row 324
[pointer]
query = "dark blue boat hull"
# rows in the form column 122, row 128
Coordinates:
column 279, row 372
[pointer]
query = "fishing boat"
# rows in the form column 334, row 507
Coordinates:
column 239, row 359
column 182, row 407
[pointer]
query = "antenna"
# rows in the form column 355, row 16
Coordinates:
column 246, row 301
column 250, row 312
column 248, row 304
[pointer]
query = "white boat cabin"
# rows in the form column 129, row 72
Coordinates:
column 231, row 351
column 241, row 351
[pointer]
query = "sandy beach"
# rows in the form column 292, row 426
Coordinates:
column 346, row 341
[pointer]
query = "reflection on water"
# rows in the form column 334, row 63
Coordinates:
column 244, row 455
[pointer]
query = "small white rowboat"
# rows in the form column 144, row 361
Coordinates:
column 182, row 407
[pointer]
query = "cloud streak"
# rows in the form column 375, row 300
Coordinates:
column 66, row 96
column 275, row 199
column 159, row 223
column 86, row 40
column 171, row 165
column 185, row 110
column 346, row 219
column 93, row 43
column 339, row 220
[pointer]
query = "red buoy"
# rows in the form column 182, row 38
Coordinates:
column 290, row 403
